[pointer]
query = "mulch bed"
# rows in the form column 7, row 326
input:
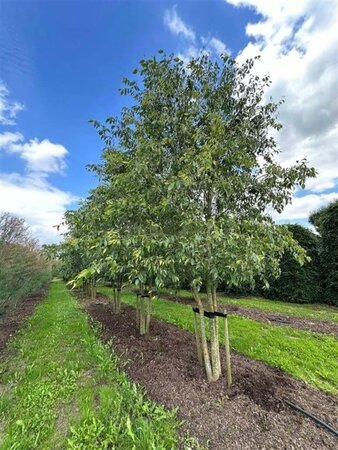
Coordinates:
column 251, row 415
column 273, row 318
column 14, row 317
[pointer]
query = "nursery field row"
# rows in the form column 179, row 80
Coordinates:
column 311, row 311
column 61, row 388
column 252, row 414
column 233, row 306
column 307, row 356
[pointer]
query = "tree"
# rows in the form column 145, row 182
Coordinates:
column 325, row 221
column 23, row 268
column 14, row 231
column 202, row 173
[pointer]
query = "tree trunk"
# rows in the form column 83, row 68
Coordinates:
column 92, row 289
column 198, row 340
column 217, row 361
column 114, row 298
column 204, row 342
column 147, row 325
column 214, row 341
column 118, row 298
column 138, row 306
column 87, row 288
column 142, row 317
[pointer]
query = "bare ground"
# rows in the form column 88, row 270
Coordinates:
column 273, row 318
column 14, row 317
column 252, row 415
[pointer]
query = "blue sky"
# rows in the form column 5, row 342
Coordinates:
column 61, row 63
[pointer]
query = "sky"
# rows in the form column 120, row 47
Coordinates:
column 62, row 63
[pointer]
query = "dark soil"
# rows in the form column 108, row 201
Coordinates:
column 273, row 318
column 251, row 415
column 13, row 317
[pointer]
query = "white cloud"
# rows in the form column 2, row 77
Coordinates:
column 214, row 46
column 31, row 196
column 41, row 157
column 302, row 207
column 297, row 41
column 41, row 204
column 8, row 109
column 192, row 44
column 176, row 25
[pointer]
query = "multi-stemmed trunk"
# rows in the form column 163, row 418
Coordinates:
column 89, row 288
column 210, row 358
column 143, row 312
column 116, row 297
column 92, row 289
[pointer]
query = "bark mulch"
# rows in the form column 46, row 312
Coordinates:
column 273, row 318
column 251, row 415
column 13, row 317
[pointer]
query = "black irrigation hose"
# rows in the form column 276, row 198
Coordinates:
column 315, row 418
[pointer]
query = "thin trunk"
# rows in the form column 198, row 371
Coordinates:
column 214, row 344
column 87, row 289
column 204, row 341
column 216, row 325
column 138, row 310
column 142, row 317
column 147, row 326
column 198, row 340
column 114, row 298
column 118, row 298
column 92, row 289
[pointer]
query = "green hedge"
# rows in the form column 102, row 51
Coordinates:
column 23, row 271
column 300, row 284
column 326, row 222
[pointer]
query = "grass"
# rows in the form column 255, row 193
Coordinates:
column 307, row 356
column 311, row 311
column 61, row 388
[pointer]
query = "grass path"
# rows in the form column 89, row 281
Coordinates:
column 61, row 388
column 311, row 357
column 311, row 311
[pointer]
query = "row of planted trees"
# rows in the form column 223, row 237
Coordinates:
column 24, row 268
column 188, row 173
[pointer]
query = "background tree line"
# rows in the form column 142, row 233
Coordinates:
column 24, row 268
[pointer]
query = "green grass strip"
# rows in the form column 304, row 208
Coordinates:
column 312, row 311
column 311, row 357
column 61, row 388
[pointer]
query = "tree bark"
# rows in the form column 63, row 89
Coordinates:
column 198, row 340
column 92, row 288
column 118, row 298
column 204, row 342
column 142, row 317
column 138, row 310
column 114, row 298
column 216, row 333
column 147, row 325
column 214, row 342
